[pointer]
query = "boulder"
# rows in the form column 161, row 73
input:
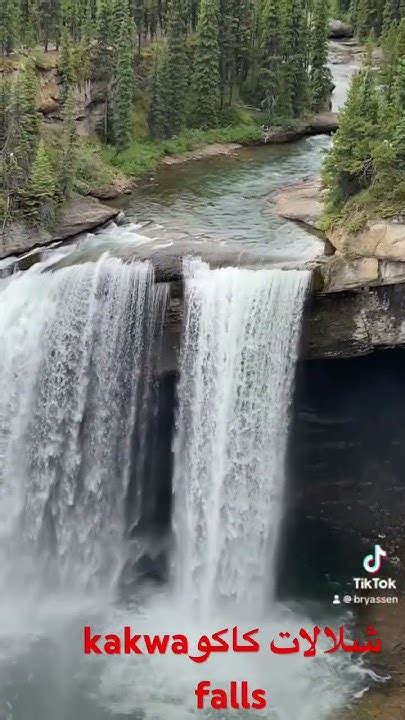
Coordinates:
column 81, row 215
column 338, row 29
column 324, row 123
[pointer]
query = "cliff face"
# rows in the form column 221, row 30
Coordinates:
column 360, row 303
column 90, row 97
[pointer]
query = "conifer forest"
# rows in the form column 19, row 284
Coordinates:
column 166, row 69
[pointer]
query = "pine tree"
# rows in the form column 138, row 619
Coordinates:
column 158, row 120
column 349, row 165
column 5, row 90
column 205, row 81
column 363, row 21
column 271, row 34
column 390, row 11
column 65, row 63
column 123, row 89
column 244, row 22
column 138, row 9
column 49, row 21
column 226, row 46
column 152, row 18
column 89, row 22
column 24, row 118
column 68, row 162
column 9, row 26
column 103, row 25
column 32, row 24
column 37, row 200
column 320, row 74
column 103, row 57
column 400, row 43
column 389, row 61
column 176, row 66
column 120, row 13
column 299, row 58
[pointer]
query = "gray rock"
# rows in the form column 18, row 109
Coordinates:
column 81, row 215
column 350, row 323
column 339, row 29
column 343, row 274
column 300, row 202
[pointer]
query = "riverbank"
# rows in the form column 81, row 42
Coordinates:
column 145, row 156
column 116, row 175
column 374, row 255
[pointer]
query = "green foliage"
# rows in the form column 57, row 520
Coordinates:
column 138, row 10
column 349, row 165
column 123, row 87
column 320, row 73
column 143, row 157
column 103, row 61
column 68, row 159
column 176, row 67
column 158, row 119
column 205, row 82
column 23, row 118
column 9, row 26
column 37, row 201
column 65, row 63
column 364, row 173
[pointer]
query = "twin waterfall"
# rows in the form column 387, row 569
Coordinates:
column 77, row 381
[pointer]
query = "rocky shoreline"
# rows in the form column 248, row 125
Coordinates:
column 373, row 256
column 81, row 215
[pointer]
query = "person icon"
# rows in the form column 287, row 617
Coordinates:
column 336, row 600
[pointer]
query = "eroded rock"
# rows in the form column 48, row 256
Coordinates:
column 81, row 215
column 343, row 274
column 383, row 239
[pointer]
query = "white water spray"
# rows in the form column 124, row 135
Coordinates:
column 76, row 358
column 240, row 339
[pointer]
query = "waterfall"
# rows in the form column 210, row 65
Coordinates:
column 76, row 364
column 239, row 349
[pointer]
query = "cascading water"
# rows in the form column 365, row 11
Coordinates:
column 76, row 390
column 239, row 350
column 76, row 363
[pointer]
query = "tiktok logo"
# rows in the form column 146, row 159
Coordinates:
column 372, row 563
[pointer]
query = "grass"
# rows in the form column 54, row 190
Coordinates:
column 367, row 205
column 144, row 155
